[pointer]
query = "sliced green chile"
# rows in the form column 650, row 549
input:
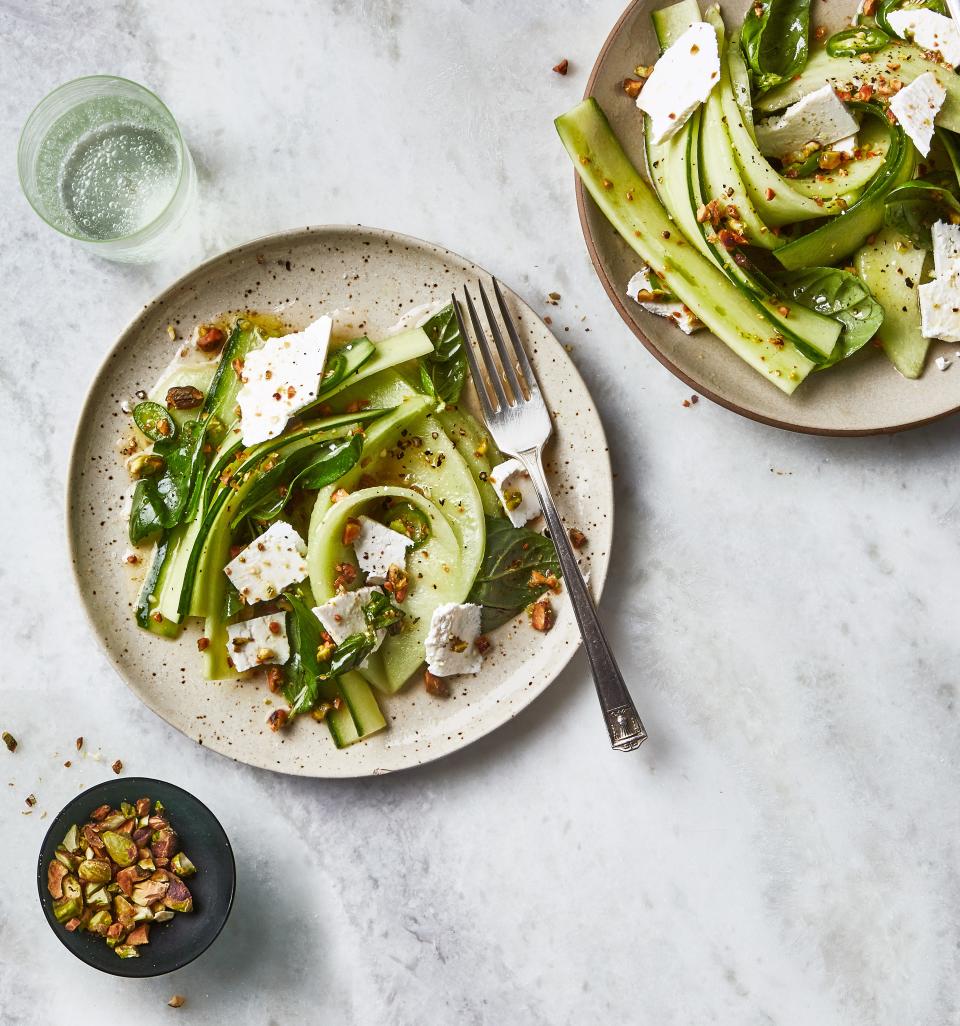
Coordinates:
column 149, row 416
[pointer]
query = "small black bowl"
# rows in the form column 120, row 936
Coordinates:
column 179, row 941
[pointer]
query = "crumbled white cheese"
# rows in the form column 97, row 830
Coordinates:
column 516, row 492
column 681, row 81
column 942, row 363
column 253, row 643
column 280, row 378
column 916, row 108
column 378, row 548
column 946, row 249
column 940, row 310
column 644, row 282
column 342, row 615
column 450, row 641
column 268, row 564
column 847, row 146
column 929, row 30
column 820, row 117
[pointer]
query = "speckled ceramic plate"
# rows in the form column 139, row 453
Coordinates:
column 299, row 275
column 864, row 396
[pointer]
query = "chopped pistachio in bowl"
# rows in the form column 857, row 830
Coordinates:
column 136, row 877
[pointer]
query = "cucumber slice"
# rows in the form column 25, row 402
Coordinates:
column 362, row 703
column 148, row 601
column 676, row 171
column 849, row 181
column 848, row 73
column 342, row 728
column 221, row 398
column 777, row 202
column 626, row 200
column 845, row 234
column 892, row 268
column 440, row 572
column 719, row 171
column 670, row 23
column 388, row 353
column 479, row 452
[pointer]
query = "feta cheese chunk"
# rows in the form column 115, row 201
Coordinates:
column 916, row 108
column 516, row 492
column 942, row 363
column 847, row 146
column 378, row 548
column 253, row 643
column 681, row 81
column 940, row 310
column 643, row 286
column 280, row 378
column 342, row 615
column 268, row 564
column 819, row 117
column 946, row 250
column 929, row 30
column 450, row 641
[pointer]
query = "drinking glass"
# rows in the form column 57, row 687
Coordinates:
column 102, row 160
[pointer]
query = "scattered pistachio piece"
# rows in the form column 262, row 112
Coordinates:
column 177, row 1001
column 10, row 741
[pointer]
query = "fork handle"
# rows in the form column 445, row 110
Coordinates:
column 623, row 724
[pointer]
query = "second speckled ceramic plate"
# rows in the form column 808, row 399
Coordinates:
column 299, row 275
column 863, row 396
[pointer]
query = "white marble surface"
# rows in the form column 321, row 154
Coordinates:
column 783, row 851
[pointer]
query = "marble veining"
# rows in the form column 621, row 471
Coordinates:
column 782, row 852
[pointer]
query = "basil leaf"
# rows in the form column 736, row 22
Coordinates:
column 915, row 207
column 775, row 40
column 350, row 653
column 311, row 466
column 444, row 371
column 161, row 502
column 380, row 613
column 502, row 587
column 307, row 677
column 301, row 686
column 843, row 296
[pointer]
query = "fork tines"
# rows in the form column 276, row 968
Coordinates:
column 513, row 360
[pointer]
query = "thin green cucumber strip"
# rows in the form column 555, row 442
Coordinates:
column 777, row 202
column 892, row 269
column 844, row 74
column 626, row 200
column 843, row 235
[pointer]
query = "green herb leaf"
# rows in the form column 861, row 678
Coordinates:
column 350, row 653
column 502, row 587
column 302, row 672
column 776, row 40
column 311, row 466
column 381, row 614
column 161, row 502
column 443, row 373
column 843, row 296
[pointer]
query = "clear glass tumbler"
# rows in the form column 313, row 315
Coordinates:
column 102, row 160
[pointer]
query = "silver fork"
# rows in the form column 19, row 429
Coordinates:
column 521, row 426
